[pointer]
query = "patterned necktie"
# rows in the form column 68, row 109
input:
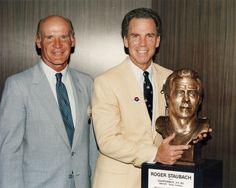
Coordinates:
column 148, row 93
column 64, row 105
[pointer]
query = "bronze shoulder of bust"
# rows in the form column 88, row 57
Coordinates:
column 163, row 126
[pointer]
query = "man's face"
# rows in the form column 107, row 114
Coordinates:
column 142, row 41
column 184, row 98
column 55, row 42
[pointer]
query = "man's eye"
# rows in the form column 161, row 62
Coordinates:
column 179, row 92
column 151, row 35
column 193, row 93
column 64, row 38
column 49, row 37
column 134, row 36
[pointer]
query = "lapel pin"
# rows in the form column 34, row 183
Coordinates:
column 136, row 99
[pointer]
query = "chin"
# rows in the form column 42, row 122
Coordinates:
column 58, row 62
column 186, row 115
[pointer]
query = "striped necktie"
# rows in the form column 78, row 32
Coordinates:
column 64, row 106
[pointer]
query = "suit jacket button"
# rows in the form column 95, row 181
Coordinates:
column 72, row 153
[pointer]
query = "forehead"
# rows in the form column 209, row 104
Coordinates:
column 185, row 83
column 54, row 25
column 142, row 24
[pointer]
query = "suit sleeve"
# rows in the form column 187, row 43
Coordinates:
column 12, row 127
column 93, row 153
column 108, row 128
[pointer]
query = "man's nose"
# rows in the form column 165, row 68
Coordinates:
column 57, row 43
column 143, row 41
column 186, row 97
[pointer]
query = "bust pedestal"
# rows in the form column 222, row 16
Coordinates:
column 206, row 174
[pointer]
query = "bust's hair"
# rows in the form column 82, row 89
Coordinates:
column 178, row 74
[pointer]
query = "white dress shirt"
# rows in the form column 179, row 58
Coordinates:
column 140, row 79
column 66, row 79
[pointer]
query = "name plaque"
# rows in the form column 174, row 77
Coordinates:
column 165, row 178
column 207, row 174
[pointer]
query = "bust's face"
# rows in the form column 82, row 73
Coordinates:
column 184, row 98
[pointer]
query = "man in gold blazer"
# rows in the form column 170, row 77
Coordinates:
column 125, row 130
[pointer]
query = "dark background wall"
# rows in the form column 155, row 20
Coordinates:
column 198, row 34
column 201, row 34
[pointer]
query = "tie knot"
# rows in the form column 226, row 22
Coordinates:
column 145, row 74
column 58, row 76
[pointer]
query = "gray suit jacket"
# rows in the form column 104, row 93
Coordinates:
column 34, row 148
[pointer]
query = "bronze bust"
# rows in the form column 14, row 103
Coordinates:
column 183, row 93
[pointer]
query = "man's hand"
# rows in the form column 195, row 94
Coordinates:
column 169, row 154
column 203, row 134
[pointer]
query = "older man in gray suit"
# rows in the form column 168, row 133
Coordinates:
column 41, row 144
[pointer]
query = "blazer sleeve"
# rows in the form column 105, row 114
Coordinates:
column 108, row 128
column 12, row 127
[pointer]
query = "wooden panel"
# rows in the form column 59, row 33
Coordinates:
column 96, row 22
column 201, row 34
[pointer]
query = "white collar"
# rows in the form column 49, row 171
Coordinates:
column 50, row 73
column 139, row 72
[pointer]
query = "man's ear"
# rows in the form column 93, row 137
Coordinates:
column 167, row 98
column 167, row 107
column 38, row 42
column 167, row 101
column 125, row 41
column 158, row 40
column 200, row 101
column 72, row 42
